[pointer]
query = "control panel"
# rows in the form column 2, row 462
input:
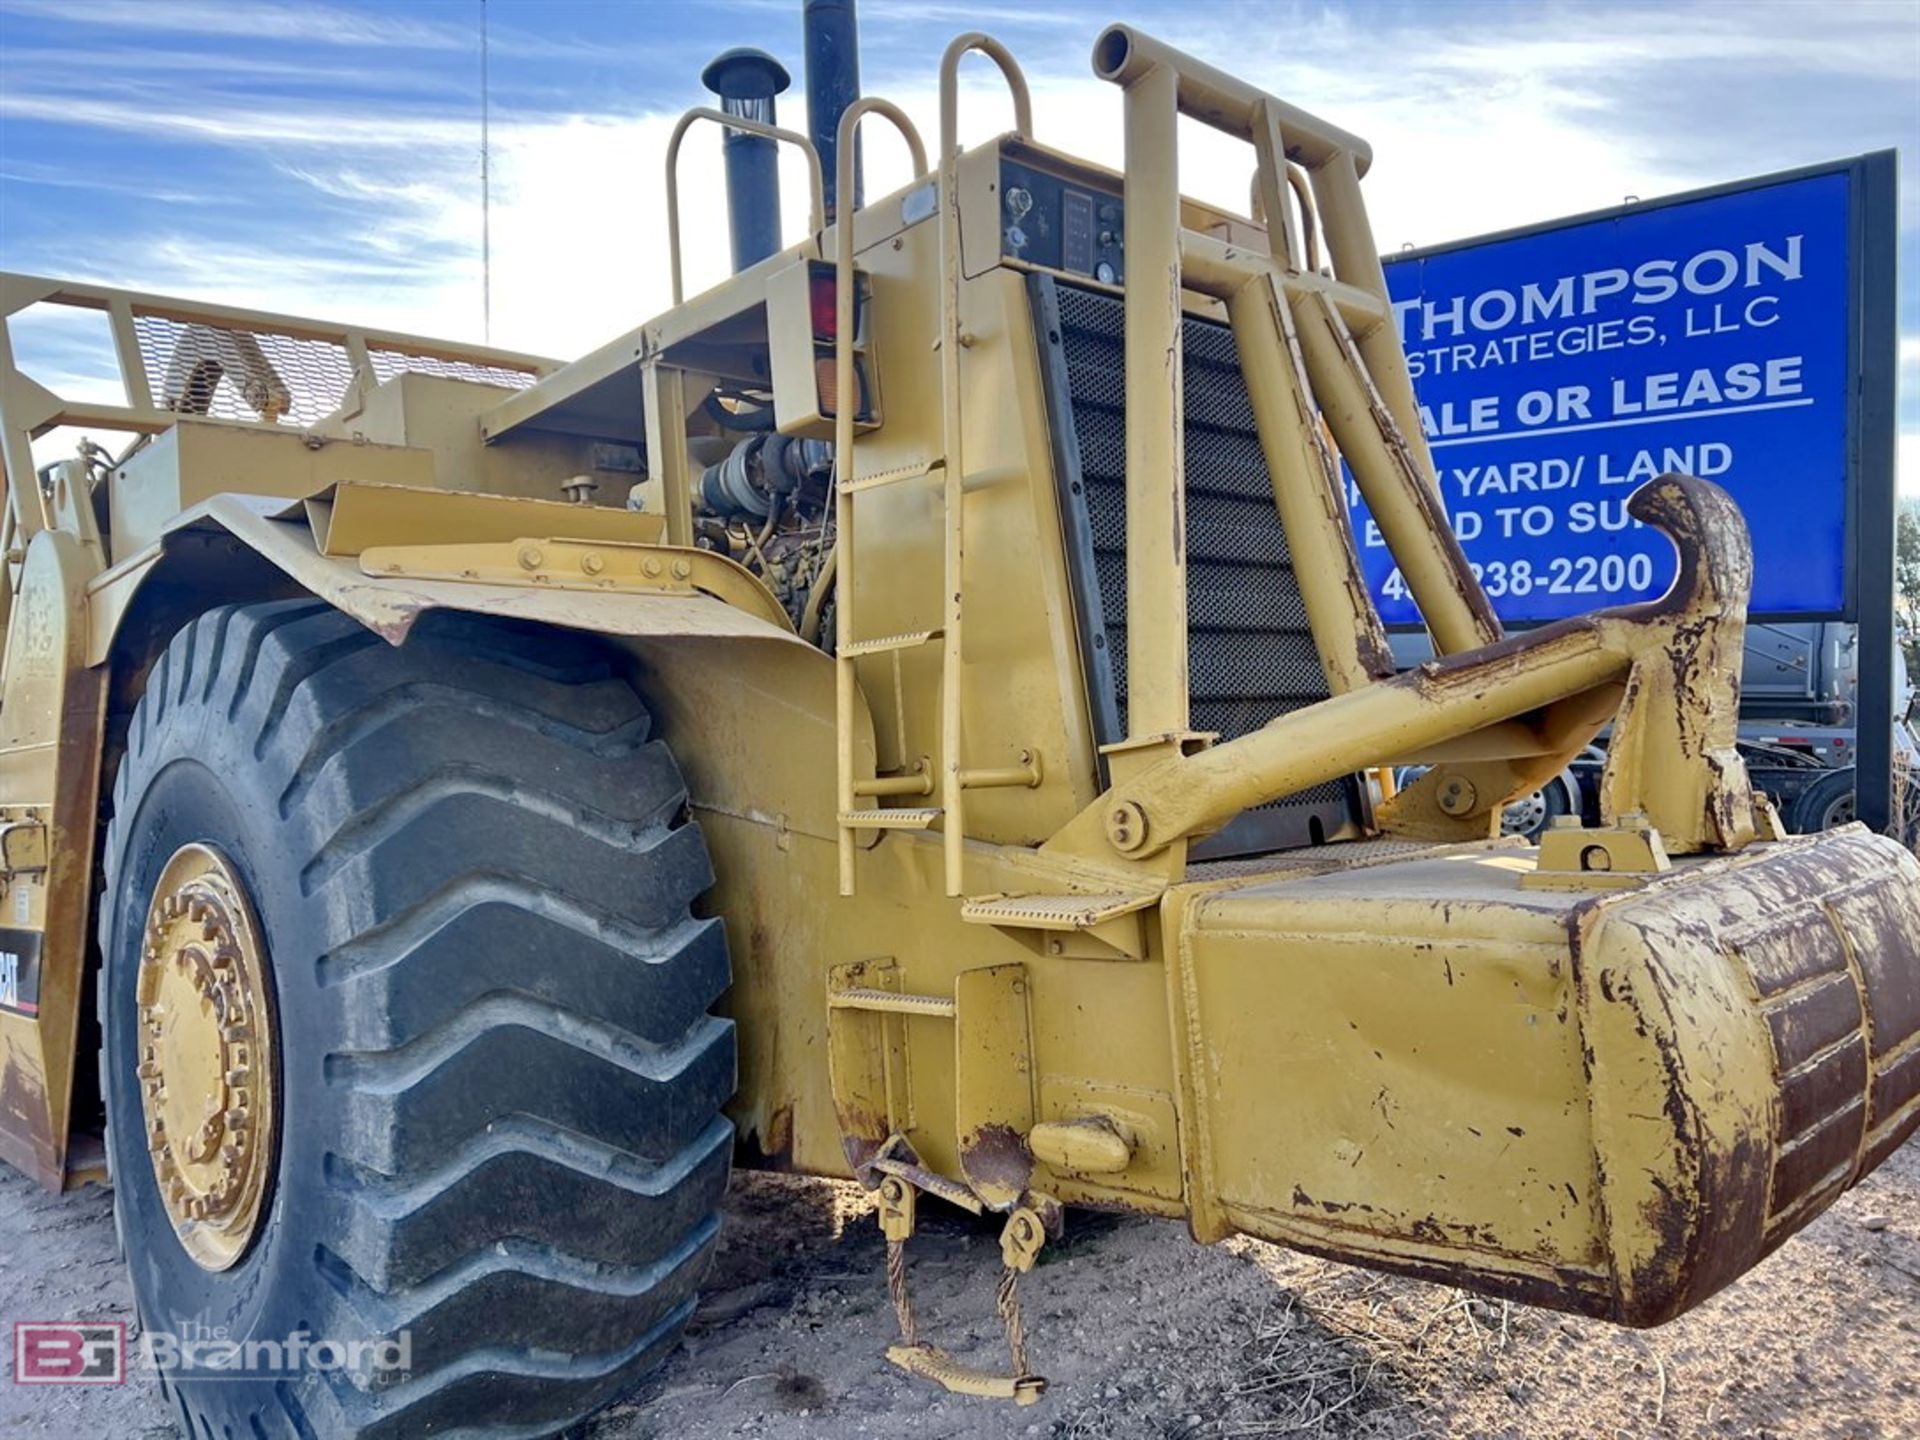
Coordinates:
column 1061, row 224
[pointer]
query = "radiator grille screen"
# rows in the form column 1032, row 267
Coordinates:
column 1250, row 653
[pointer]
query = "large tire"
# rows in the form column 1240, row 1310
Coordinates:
column 1825, row 803
column 500, row 1085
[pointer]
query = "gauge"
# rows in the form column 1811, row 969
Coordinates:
column 1019, row 201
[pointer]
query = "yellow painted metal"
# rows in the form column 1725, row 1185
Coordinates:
column 1156, row 409
column 52, row 716
column 602, row 566
column 1567, row 1099
column 1356, row 263
column 993, row 1097
column 848, row 646
column 1307, row 489
column 1088, row 1147
column 1400, row 494
column 1675, row 761
column 208, row 1065
column 1033, row 998
column 816, row 184
column 1609, row 857
column 1123, row 54
column 664, row 394
column 353, row 518
column 954, row 338
column 198, row 542
column 437, row 415
column 943, row 1370
column 897, row 1204
column 198, row 459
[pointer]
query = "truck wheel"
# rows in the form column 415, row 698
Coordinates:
column 1825, row 803
column 414, row 1098
column 1533, row 814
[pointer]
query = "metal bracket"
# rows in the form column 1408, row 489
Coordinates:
column 1607, row 857
column 23, row 848
column 867, row 1058
column 993, row 1082
column 897, row 1209
column 1091, row 927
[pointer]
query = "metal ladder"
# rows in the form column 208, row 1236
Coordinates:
column 849, row 646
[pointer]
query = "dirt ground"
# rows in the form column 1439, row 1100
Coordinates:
column 1143, row 1334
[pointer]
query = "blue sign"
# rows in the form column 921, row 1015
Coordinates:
column 1560, row 369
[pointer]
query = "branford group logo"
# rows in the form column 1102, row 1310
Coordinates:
column 79, row 1352
column 94, row 1352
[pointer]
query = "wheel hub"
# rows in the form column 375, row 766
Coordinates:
column 206, row 1066
column 1524, row 815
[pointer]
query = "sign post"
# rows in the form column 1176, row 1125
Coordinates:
column 1743, row 334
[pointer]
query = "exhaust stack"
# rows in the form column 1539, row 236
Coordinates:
column 833, row 83
column 746, row 81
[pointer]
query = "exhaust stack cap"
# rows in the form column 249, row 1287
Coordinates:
column 746, row 80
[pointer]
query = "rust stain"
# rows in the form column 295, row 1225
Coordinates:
column 997, row 1155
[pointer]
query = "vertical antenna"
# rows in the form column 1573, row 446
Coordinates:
column 486, row 196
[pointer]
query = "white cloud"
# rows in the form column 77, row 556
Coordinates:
column 1472, row 132
column 308, row 24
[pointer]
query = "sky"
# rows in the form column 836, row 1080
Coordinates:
column 324, row 158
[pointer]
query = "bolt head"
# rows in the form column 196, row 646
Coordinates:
column 1127, row 827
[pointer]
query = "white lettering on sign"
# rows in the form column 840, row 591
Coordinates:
column 1652, row 282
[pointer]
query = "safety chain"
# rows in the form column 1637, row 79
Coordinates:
column 1007, row 1301
column 897, row 1290
column 1020, row 1243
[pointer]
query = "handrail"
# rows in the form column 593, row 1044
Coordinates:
column 1123, row 55
column 29, row 410
column 19, row 291
column 962, row 46
column 845, row 412
column 1309, row 218
column 952, row 787
column 1160, row 84
column 815, row 176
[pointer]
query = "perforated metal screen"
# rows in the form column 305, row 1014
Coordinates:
column 1249, row 650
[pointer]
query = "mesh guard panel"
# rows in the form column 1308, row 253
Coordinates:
column 231, row 372
column 1250, row 653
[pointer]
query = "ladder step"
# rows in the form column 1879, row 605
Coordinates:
column 1054, row 912
column 889, row 819
column 909, row 640
column 891, row 1002
column 892, row 477
column 930, row 1362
